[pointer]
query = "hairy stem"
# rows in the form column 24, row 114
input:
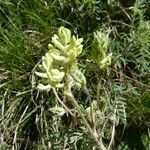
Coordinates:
column 59, row 100
column 94, row 135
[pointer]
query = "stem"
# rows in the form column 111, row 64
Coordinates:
column 76, row 105
column 59, row 100
column 113, row 131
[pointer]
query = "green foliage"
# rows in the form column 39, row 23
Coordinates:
column 106, row 74
column 100, row 46
column 60, row 63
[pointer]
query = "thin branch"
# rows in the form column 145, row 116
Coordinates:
column 124, row 11
column 136, row 81
column 94, row 135
column 113, row 131
column 59, row 100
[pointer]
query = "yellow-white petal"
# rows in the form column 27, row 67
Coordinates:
column 43, row 87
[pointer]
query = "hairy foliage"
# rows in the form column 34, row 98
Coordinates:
column 116, row 96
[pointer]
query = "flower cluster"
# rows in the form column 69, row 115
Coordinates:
column 59, row 66
column 100, row 47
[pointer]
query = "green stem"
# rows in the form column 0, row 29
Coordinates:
column 59, row 100
column 76, row 105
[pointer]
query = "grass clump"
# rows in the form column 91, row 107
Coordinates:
column 96, row 88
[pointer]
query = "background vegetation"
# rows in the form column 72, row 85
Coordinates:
column 26, row 28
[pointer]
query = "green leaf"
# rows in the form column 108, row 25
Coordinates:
column 58, row 111
column 79, row 78
column 57, row 43
column 105, row 62
column 64, row 35
column 42, row 75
